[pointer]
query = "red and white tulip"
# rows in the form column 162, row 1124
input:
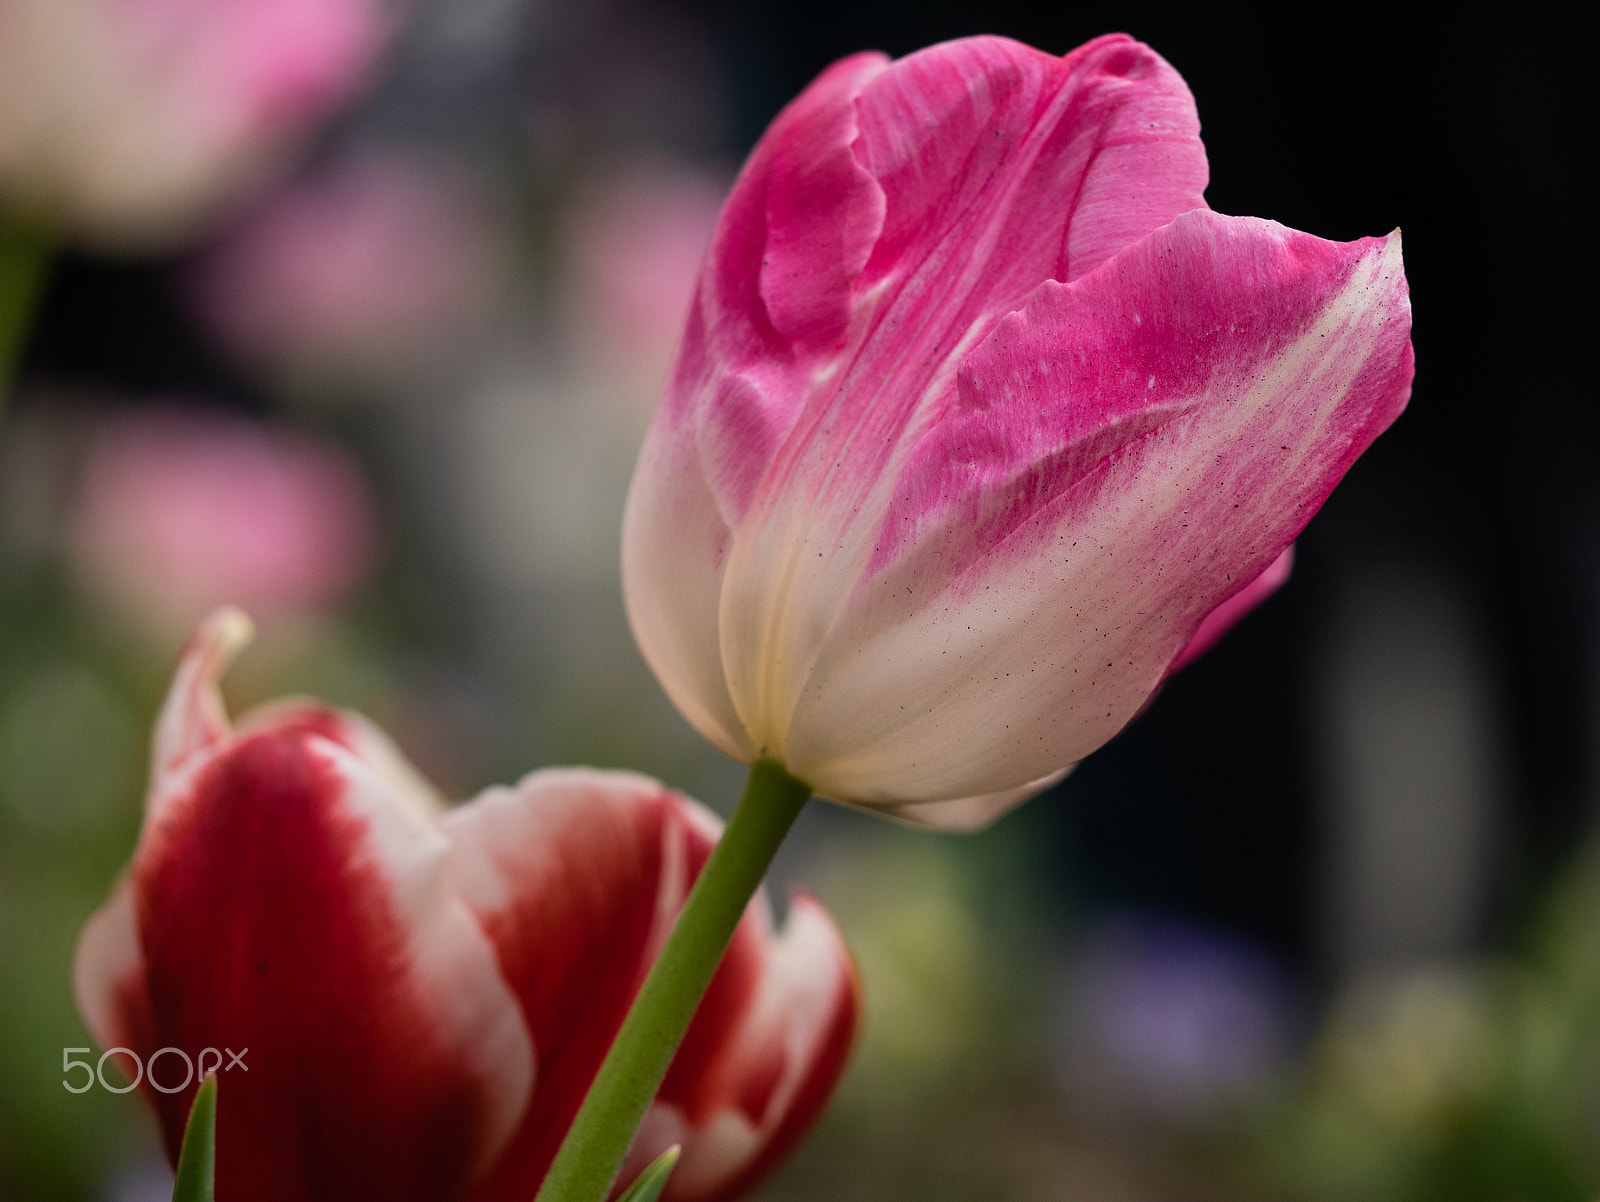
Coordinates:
column 982, row 418
column 424, row 993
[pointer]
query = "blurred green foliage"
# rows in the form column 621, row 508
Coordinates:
column 1477, row 1084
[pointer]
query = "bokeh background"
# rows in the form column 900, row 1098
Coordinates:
column 1322, row 924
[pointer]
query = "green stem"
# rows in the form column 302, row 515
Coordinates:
column 598, row 1140
column 24, row 258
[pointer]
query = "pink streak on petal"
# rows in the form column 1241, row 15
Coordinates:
column 823, row 215
column 1165, row 337
column 1148, row 165
column 1220, row 620
column 984, row 150
column 735, row 392
column 740, row 375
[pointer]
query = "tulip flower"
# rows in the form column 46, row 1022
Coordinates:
column 130, row 123
column 980, row 416
column 420, row 996
column 982, row 423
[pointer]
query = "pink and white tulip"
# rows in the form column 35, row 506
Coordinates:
column 980, row 416
column 130, row 121
column 426, row 993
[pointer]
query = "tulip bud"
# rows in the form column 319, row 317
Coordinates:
column 980, row 415
column 425, row 995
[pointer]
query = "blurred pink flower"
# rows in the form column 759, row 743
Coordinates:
column 132, row 120
column 180, row 510
column 635, row 245
column 383, row 255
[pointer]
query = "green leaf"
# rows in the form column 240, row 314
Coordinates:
column 197, row 1162
column 650, row 1183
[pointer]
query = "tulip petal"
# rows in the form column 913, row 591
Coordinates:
column 1125, row 449
column 193, row 718
column 762, row 405
column 108, row 976
column 701, row 471
column 673, row 531
column 357, row 736
column 1222, row 619
column 967, row 814
column 983, row 147
column 281, row 900
column 575, row 875
column 765, row 1050
column 578, row 875
column 823, row 213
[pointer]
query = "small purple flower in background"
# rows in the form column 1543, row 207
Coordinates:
column 1168, row 1020
column 384, row 257
column 181, row 509
column 133, row 121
